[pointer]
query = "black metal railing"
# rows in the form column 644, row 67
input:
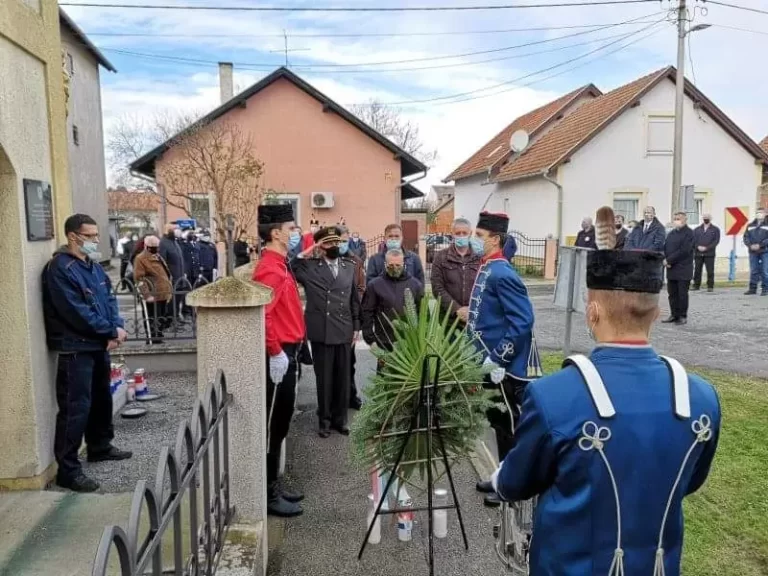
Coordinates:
column 153, row 316
column 199, row 456
column 530, row 256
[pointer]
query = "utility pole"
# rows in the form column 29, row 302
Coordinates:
column 285, row 49
column 677, row 159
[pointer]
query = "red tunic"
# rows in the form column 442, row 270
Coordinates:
column 284, row 316
column 307, row 241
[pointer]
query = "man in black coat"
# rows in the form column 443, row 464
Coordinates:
column 706, row 237
column 332, row 316
column 171, row 252
column 586, row 236
column 209, row 256
column 621, row 232
column 649, row 234
column 678, row 250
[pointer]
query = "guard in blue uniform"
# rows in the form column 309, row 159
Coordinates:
column 500, row 319
column 612, row 443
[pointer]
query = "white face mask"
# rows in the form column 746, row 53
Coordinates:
column 760, row 216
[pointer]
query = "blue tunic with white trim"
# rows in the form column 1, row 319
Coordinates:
column 567, row 454
column 501, row 318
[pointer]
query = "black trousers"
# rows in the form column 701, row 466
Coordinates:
column 678, row 298
column 701, row 262
column 282, row 412
column 159, row 318
column 352, row 363
column 500, row 421
column 332, row 373
column 85, row 408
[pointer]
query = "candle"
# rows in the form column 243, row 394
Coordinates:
column 440, row 517
column 375, row 536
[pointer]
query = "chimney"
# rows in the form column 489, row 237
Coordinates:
column 226, row 86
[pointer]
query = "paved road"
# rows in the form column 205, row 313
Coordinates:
column 726, row 330
column 326, row 539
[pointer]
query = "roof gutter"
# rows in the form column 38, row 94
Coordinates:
column 556, row 184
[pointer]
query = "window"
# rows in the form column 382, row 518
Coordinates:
column 292, row 199
column 75, row 136
column 627, row 207
column 200, row 210
column 661, row 135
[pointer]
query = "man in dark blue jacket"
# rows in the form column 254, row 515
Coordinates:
column 209, row 256
column 648, row 234
column 393, row 235
column 82, row 324
column 756, row 241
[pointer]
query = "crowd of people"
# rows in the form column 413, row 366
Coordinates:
column 688, row 252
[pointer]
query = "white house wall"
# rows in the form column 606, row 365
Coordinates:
column 616, row 161
column 87, row 174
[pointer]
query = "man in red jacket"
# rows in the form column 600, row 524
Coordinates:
column 285, row 331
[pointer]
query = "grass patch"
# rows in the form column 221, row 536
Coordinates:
column 726, row 522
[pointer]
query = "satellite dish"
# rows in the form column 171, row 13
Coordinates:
column 519, row 141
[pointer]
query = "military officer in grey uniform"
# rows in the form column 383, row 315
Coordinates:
column 332, row 316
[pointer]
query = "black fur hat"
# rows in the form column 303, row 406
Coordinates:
column 628, row 270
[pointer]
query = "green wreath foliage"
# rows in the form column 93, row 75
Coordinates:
column 379, row 429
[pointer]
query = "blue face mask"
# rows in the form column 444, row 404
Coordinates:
column 461, row 241
column 478, row 246
column 393, row 244
column 343, row 247
column 294, row 240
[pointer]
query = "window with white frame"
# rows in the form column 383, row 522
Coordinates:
column 291, row 199
column 200, row 209
column 694, row 219
column 627, row 205
column 661, row 135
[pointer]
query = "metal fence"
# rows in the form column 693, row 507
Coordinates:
column 199, row 456
column 530, row 255
column 154, row 321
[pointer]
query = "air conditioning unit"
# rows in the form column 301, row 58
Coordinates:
column 322, row 199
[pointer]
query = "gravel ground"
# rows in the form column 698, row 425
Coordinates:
column 326, row 539
column 146, row 436
column 726, row 330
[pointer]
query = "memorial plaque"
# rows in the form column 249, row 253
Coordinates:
column 38, row 202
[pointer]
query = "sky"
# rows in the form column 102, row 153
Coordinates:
column 166, row 59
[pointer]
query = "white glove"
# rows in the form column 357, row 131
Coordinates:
column 495, row 478
column 278, row 367
column 498, row 373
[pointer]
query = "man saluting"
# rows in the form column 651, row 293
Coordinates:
column 284, row 325
column 612, row 443
column 500, row 318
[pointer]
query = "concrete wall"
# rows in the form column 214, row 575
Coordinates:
column 616, row 161
column 306, row 150
column 32, row 145
column 87, row 170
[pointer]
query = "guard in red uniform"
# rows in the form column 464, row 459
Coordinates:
column 285, row 330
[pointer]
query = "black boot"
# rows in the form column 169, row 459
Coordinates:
column 289, row 495
column 751, row 292
column 484, row 486
column 279, row 506
column 492, row 500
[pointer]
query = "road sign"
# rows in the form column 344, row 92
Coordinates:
column 736, row 219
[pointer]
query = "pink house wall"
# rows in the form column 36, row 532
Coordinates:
column 306, row 150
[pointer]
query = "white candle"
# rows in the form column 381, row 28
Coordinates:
column 440, row 517
column 375, row 536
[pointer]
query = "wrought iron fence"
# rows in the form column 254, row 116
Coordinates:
column 199, row 456
column 530, row 255
column 373, row 245
column 153, row 316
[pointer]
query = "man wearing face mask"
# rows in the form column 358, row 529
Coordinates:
column 242, row 250
column 500, row 320
column 678, row 250
column 332, row 315
column 384, row 300
column 170, row 250
column 706, row 237
column 586, row 236
column 393, row 240
column 357, row 246
column 209, row 256
column 621, row 232
column 454, row 270
column 756, row 241
column 285, row 331
column 613, row 442
column 649, row 234
column 153, row 280
column 345, row 251
column 82, row 325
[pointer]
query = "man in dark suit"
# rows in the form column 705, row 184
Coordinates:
column 621, row 232
column 649, row 234
column 678, row 250
column 706, row 237
column 332, row 315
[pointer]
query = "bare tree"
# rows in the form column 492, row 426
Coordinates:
column 388, row 121
column 137, row 204
column 215, row 161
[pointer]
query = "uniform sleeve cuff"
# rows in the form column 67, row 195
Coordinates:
column 274, row 350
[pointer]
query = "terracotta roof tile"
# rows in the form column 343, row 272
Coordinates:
column 498, row 146
column 576, row 128
column 133, row 201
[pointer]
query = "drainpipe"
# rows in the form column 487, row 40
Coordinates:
column 559, row 187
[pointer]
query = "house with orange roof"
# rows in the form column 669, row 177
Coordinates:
column 591, row 148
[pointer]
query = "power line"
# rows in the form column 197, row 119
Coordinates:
column 514, row 80
column 761, row 32
column 357, row 9
column 735, row 6
column 362, row 34
column 392, row 62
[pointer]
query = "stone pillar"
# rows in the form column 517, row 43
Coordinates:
column 230, row 336
column 550, row 258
